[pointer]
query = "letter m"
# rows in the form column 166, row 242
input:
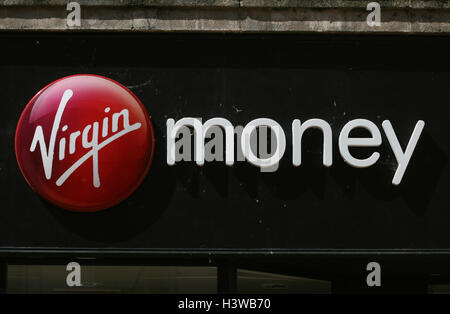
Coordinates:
column 199, row 143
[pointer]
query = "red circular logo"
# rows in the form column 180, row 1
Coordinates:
column 84, row 142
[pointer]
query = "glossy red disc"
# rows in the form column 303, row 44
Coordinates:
column 84, row 142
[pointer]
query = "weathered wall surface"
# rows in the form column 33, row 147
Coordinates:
column 303, row 16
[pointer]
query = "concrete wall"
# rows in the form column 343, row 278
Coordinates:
column 302, row 16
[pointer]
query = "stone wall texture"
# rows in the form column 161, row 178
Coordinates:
column 250, row 16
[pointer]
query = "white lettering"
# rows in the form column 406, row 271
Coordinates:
column 345, row 142
column 246, row 140
column 47, row 153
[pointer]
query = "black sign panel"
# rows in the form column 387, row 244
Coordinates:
column 241, row 78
